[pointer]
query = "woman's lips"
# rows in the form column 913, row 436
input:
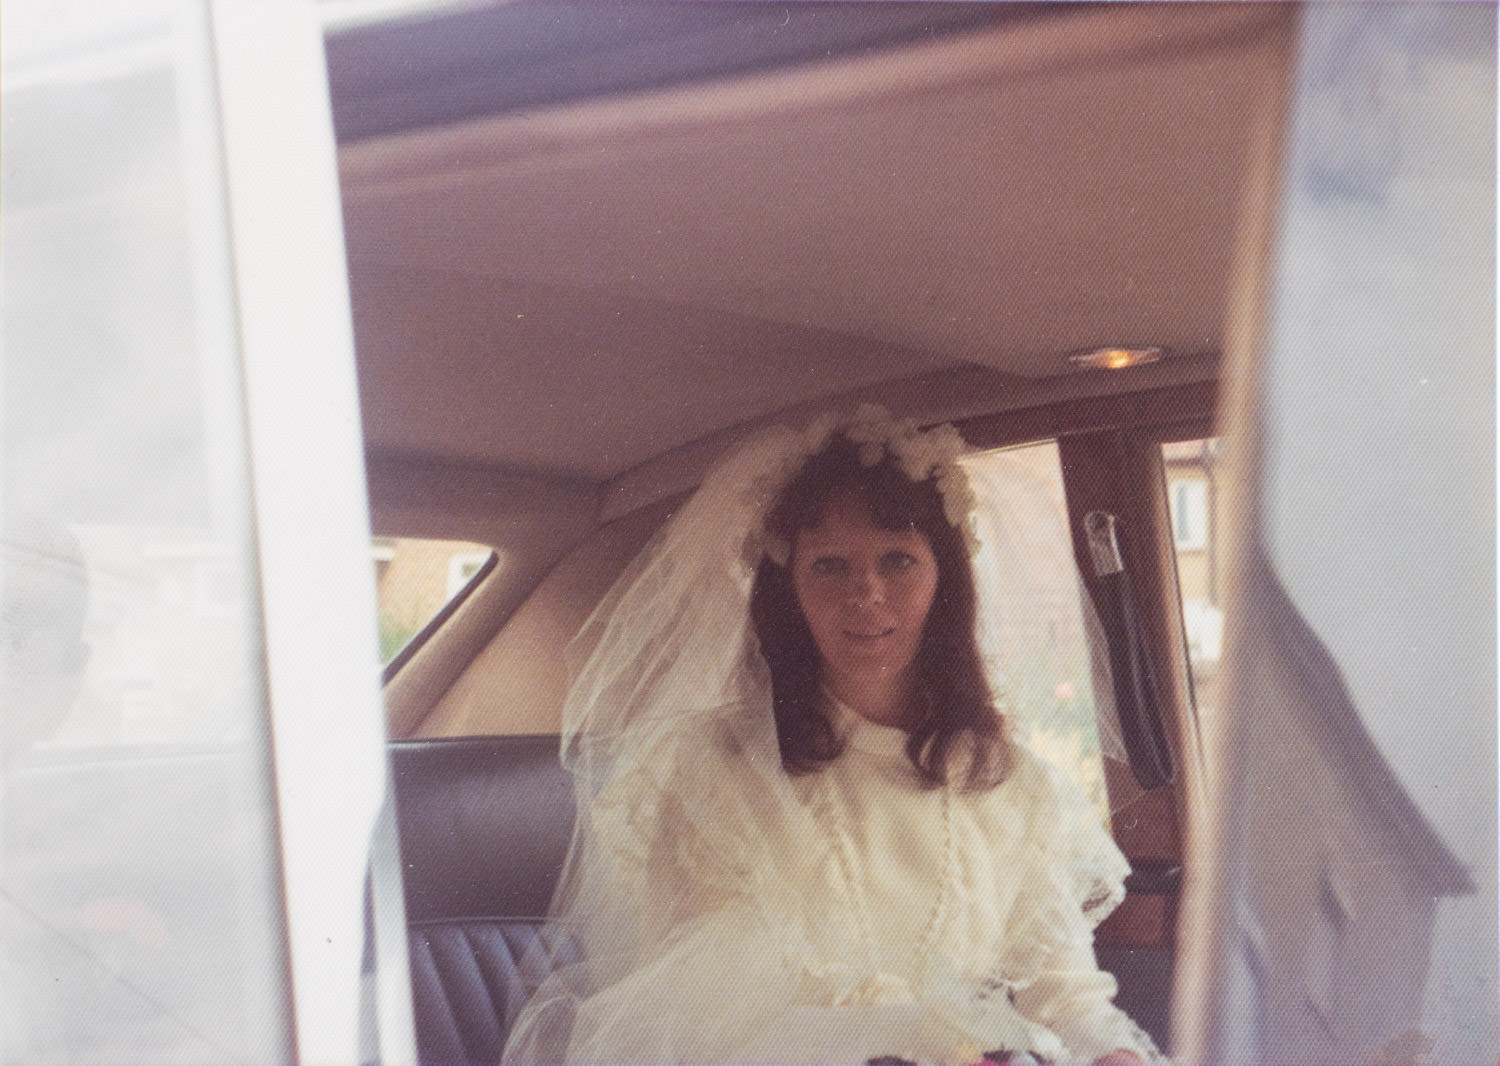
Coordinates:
column 865, row 637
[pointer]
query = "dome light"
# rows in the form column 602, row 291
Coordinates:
column 1116, row 358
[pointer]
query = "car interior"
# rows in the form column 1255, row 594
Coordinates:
column 592, row 246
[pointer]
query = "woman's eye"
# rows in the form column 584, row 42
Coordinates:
column 896, row 562
column 829, row 566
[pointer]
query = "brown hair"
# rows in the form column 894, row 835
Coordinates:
column 958, row 717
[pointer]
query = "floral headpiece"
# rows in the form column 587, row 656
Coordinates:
column 919, row 455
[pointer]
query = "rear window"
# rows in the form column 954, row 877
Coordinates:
column 1043, row 638
column 1193, row 492
column 415, row 579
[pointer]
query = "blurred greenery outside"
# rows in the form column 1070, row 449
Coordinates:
column 1059, row 724
column 396, row 631
column 415, row 578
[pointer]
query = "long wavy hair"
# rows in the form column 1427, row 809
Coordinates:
column 959, row 729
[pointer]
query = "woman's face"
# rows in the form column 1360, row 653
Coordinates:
column 866, row 593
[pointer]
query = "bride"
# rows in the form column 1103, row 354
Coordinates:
column 805, row 833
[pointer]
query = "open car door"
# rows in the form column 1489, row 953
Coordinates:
column 1341, row 901
column 192, row 765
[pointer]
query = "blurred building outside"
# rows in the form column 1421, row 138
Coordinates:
column 1197, row 514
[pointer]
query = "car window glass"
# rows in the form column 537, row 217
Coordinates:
column 416, row 577
column 1194, row 497
column 1043, row 645
column 139, row 886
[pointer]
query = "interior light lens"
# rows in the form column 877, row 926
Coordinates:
column 1116, row 358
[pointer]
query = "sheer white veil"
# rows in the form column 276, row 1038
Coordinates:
column 670, row 701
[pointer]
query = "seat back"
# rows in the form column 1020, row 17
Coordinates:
column 484, row 825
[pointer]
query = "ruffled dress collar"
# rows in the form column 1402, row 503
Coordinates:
column 864, row 735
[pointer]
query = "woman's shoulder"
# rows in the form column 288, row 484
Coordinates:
column 1068, row 825
column 1054, row 806
column 1036, row 780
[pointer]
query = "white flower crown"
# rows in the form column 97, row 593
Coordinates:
column 919, row 455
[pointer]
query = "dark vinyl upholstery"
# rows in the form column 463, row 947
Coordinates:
column 1145, row 979
column 484, row 824
column 470, row 977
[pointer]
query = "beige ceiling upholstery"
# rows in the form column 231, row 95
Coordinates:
column 575, row 290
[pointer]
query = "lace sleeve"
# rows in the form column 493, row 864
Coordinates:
column 1073, row 999
column 1075, row 874
column 1050, row 967
column 1085, row 865
column 671, row 848
column 688, row 930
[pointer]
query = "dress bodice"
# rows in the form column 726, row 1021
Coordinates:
column 838, row 915
column 937, row 881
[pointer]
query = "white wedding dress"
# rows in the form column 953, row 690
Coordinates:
column 716, row 909
column 867, row 917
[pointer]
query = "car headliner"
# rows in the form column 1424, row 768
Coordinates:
column 573, row 282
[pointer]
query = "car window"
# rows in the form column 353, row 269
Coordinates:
column 148, row 619
column 140, row 896
column 1043, row 645
column 1195, row 498
column 415, row 579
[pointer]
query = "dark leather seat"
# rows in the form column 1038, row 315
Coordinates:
column 484, row 825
